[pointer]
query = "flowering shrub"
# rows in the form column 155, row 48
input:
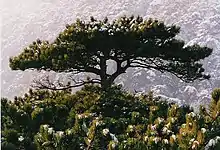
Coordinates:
column 93, row 120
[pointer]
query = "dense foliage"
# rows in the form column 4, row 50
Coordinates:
column 106, row 117
column 93, row 119
column 128, row 41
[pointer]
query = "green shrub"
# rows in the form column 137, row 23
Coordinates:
column 114, row 119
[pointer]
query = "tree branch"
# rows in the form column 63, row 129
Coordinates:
column 119, row 70
column 45, row 83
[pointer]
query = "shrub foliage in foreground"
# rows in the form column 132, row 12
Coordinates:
column 95, row 120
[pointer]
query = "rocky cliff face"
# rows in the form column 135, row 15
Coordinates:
column 24, row 21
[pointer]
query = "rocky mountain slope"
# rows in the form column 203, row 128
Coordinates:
column 24, row 21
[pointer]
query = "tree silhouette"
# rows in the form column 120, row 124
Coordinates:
column 128, row 41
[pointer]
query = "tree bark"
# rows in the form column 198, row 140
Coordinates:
column 103, row 74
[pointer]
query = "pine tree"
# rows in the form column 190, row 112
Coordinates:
column 128, row 41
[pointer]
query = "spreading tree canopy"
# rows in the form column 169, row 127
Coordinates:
column 129, row 41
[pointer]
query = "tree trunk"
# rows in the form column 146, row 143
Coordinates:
column 103, row 74
column 105, row 84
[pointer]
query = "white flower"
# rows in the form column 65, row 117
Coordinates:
column 172, row 120
column 80, row 116
column 117, row 29
column 45, row 126
column 160, row 120
column 154, row 109
column 130, row 126
column 211, row 143
column 153, row 127
column 95, row 28
column 60, row 133
column 97, row 123
column 145, row 138
column 113, row 145
column 110, row 30
column 21, row 138
column 194, row 146
column 156, row 140
column 124, row 141
column 132, row 25
column 169, row 131
column 195, row 143
column 50, row 130
column 92, row 114
column 192, row 114
column 114, row 137
column 105, row 131
column 203, row 130
column 164, row 130
column 103, row 29
column 124, row 108
column 165, row 141
column 174, row 137
column 89, row 140
column 192, row 140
